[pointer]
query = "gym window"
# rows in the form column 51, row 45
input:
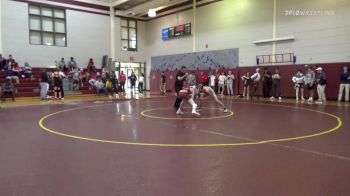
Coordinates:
column 128, row 34
column 47, row 26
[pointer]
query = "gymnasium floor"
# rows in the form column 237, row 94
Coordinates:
column 139, row 147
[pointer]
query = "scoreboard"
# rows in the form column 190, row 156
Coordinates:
column 176, row 31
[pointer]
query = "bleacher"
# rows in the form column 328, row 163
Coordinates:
column 28, row 87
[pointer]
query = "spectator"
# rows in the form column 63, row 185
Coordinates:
column 100, row 86
column 92, row 80
column 76, row 79
column 109, row 87
column 122, row 80
column 266, row 82
column 10, row 73
column 163, row 83
column 217, row 75
column 8, row 89
column 256, row 80
column 62, row 65
column 299, row 80
column 247, row 81
column 221, row 83
column 179, row 82
column 57, row 77
column 310, row 79
column 191, row 79
column 141, row 80
column 344, row 84
column 44, row 84
column 104, row 74
column 9, row 62
column 276, row 84
column 27, row 70
column 212, row 81
column 91, row 66
column 133, row 80
column 230, row 79
column 2, row 62
column 72, row 64
column 204, row 80
column 321, row 85
column 17, row 70
column 115, row 84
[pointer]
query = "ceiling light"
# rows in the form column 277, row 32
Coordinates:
column 152, row 13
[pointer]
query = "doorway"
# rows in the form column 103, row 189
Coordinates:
column 127, row 69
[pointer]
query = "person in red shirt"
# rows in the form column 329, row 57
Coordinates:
column 203, row 79
column 122, row 80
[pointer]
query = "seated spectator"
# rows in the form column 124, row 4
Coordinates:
column 9, row 62
column 9, row 73
column 8, row 89
column 17, row 70
column 100, row 86
column 92, row 79
column 72, row 64
column 109, row 88
column 91, row 66
column 2, row 62
column 27, row 70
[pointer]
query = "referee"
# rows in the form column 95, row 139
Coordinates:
column 179, row 82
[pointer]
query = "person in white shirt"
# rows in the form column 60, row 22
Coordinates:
column 141, row 80
column 221, row 83
column 256, row 79
column 230, row 78
column 100, row 86
column 212, row 81
column 299, row 80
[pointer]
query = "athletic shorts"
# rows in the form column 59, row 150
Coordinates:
column 184, row 95
column 310, row 86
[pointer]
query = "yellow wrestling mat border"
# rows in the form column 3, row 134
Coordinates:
column 328, row 131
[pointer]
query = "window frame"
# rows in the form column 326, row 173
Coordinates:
column 53, row 18
column 128, row 40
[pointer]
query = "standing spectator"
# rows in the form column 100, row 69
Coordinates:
column 191, row 79
column 44, row 84
column 212, row 81
column 299, row 80
column 133, row 80
column 76, row 79
column 109, row 87
column 266, row 82
column 276, row 84
column 247, row 81
column 221, row 83
column 8, row 89
column 122, row 80
column 58, row 84
column 2, row 62
column 62, row 65
column 217, row 75
column 91, row 66
column 9, row 62
column 141, row 80
column 27, row 70
column 344, row 84
column 310, row 79
column 204, row 80
column 179, row 82
column 72, row 64
column 115, row 84
column 230, row 79
column 321, row 85
column 256, row 80
column 162, row 83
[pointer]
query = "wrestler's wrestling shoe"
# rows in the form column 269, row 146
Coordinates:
column 225, row 110
column 179, row 112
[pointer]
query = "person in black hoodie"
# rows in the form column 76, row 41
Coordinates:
column 179, row 82
column 344, row 84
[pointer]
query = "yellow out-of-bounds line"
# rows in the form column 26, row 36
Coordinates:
column 143, row 113
column 339, row 124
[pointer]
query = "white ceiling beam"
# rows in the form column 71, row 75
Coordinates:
column 118, row 2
